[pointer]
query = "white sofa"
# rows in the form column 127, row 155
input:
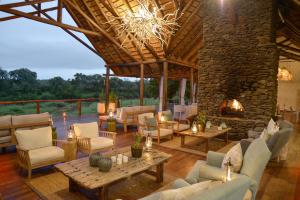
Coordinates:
column 89, row 140
column 128, row 115
column 35, row 149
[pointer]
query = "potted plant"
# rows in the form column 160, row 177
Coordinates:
column 201, row 121
column 137, row 147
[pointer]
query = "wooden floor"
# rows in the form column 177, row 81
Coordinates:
column 280, row 181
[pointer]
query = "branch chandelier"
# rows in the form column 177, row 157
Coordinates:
column 145, row 24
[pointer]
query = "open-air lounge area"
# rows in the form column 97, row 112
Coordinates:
column 196, row 100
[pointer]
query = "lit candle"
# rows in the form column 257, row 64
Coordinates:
column 162, row 118
column 111, row 114
column 70, row 135
column 194, row 128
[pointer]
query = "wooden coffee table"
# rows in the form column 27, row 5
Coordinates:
column 207, row 135
column 80, row 173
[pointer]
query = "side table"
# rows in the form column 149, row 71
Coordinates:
column 70, row 148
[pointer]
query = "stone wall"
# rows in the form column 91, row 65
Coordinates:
column 239, row 59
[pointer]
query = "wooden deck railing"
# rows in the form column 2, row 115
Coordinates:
column 38, row 102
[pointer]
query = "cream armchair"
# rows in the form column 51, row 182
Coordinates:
column 89, row 139
column 177, row 125
column 35, row 149
column 153, row 128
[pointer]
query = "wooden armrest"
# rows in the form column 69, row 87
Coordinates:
column 20, row 149
column 23, row 156
column 113, row 135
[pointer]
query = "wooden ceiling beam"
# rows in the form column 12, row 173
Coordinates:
column 69, row 32
column 20, row 4
column 289, row 48
column 289, row 55
column 180, row 13
column 32, row 13
column 47, row 21
column 103, row 32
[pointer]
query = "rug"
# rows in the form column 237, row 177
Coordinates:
column 197, row 145
column 55, row 187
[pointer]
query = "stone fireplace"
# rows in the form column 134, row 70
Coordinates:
column 239, row 61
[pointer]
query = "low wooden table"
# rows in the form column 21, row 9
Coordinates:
column 80, row 173
column 207, row 135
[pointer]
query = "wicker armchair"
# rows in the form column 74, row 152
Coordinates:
column 35, row 149
column 156, row 130
column 178, row 125
column 91, row 140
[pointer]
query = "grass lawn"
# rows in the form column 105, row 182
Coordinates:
column 71, row 108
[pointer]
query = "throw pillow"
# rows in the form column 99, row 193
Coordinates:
column 236, row 156
column 151, row 123
column 264, row 135
column 185, row 192
column 245, row 144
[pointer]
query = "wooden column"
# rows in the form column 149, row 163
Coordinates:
column 182, row 91
column 142, row 85
column 191, row 85
column 38, row 107
column 165, row 85
column 107, row 89
column 79, row 108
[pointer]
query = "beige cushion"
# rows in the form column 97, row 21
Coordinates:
column 236, row 156
column 4, row 133
column 181, row 127
column 88, row 130
column 46, row 154
column 35, row 138
column 5, row 120
column 30, row 119
column 184, row 193
column 163, row 132
column 101, row 142
column 5, row 139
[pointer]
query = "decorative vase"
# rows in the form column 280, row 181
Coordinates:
column 136, row 152
column 104, row 164
column 94, row 158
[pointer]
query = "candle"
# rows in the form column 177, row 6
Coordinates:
column 125, row 159
column 148, row 143
column 194, row 128
column 119, row 160
column 113, row 159
column 162, row 118
column 111, row 114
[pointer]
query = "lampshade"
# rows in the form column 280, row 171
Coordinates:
column 284, row 74
column 101, row 108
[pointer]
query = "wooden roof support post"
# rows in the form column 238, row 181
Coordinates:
column 165, row 85
column 142, row 84
column 107, row 89
column 192, row 86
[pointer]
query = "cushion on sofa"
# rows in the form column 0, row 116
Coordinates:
column 5, row 139
column 31, row 119
column 5, row 120
column 163, row 132
column 46, row 154
column 4, row 133
column 101, row 142
column 88, row 130
column 35, row 138
column 184, row 193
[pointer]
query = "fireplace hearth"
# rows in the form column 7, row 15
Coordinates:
column 232, row 108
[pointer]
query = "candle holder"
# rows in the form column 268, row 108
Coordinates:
column 194, row 128
column 228, row 170
column 111, row 114
column 148, row 143
column 71, row 135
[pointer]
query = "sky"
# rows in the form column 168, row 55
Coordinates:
column 45, row 49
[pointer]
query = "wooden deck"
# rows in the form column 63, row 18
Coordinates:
column 280, row 181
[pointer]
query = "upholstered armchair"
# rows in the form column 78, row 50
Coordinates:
column 148, row 125
column 169, row 120
column 255, row 160
column 232, row 190
column 90, row 139
column 35, row 149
